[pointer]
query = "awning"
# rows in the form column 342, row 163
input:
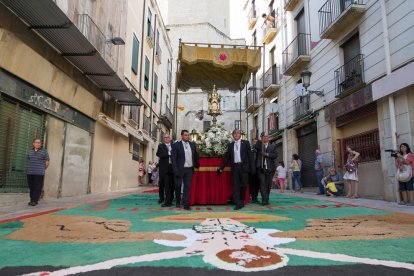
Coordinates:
column 46, row 19
column 226, row 66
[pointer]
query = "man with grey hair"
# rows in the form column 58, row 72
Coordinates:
column 240, row 155
column 266, row 165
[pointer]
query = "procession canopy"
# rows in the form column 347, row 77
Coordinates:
column 226, row 66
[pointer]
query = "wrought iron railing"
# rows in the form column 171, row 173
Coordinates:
column 168, row 113
column 147, row 124
column 350, row 75
column 298, row 47
column 169, row 77
column 367, row 144
column 331, row 10
column 92, row 32
column 252, row 97
column 133, row 114
column 301, row 106
column 271, row 76
column 252, row 15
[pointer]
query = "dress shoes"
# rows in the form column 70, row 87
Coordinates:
column 255, row 201
column 166, row 205
column 160, row 201
column 187, row 207
column 178, row 205
column 264, row 203
column 238, row 207
column 32, row 203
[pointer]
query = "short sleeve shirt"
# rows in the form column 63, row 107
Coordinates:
column 318, row 162
column 335, row 178
column 36, row 161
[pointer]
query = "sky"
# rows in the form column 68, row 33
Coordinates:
column 238, row 19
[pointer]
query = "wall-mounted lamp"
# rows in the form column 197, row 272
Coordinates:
column 193, row 135
column 116, row 41
column 306, row 75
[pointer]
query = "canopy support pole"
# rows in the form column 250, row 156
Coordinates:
column 174, row 134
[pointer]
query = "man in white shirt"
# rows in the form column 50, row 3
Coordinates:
column 240, row 155
column 184, row 158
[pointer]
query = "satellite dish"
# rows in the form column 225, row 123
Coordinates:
column 273, row 107
column 300, row 90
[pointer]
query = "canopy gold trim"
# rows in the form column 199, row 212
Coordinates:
column 228, row 67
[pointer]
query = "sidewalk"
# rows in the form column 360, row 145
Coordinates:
column 53, row 205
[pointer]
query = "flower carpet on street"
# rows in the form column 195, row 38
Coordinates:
column 133, row 235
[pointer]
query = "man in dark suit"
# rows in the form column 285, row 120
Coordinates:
column 166, row 183
column 266, row 165
column 241, row 157
column 184, row 159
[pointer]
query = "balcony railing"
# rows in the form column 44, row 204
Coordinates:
column 252, row 17
column 301, row 106
column 290, row 4
column 252, row 101
column 335, row 16
column 350, row 77
column 150, row 36
column 154, row 132
column 92, row 32
column 296, row 55
column 158, row 53
column 133, row 115
column 167, row 117
column 270, row 81
column 147, row 125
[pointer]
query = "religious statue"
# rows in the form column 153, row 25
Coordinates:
column 214, row 109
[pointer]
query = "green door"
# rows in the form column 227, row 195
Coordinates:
column 19, row 125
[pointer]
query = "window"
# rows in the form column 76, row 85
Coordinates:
column 367, row 144
column 135, row 54
column 149, row 18
column 155, row 88
column 272, row 56
column 146, row 77
column 237, row 124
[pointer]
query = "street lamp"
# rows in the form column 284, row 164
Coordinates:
column 116, row 41
column 306, row 75
column 193, row 135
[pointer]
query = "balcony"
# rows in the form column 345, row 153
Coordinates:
column 133, row 115
column 336, row 17
column 301, row 107
column 252, row 18
column 296, row 56
column 350, row 77
column 167, row 117
column 154, row 132
column 150, row 36
column 158, row 53
column 270, row 29
column 291, row 4
column 252, row 101
column 270, row 81
column 147, row 125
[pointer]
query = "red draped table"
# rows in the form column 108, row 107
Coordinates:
column 210, row 187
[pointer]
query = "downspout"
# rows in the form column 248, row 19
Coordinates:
column 391, row 103
column 262, row 89
column 142, row 57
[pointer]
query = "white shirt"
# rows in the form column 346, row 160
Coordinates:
column 281, row 172
column 265, row 162
column 188, row 155
column 169, row 152
column 237, row 149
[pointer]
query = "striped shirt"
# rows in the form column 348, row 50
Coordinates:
column 36, row 161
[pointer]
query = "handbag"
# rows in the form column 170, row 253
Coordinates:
column 350, row 167
column 405, row 175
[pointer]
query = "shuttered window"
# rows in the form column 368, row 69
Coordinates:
column 135, row 53
column 147, row 69
column 155, row 88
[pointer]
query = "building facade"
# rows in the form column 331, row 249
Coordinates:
column 359, row 53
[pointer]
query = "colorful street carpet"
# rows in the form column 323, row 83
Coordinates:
column 132, row 235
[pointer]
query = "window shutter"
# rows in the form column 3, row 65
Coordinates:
column 135, row 50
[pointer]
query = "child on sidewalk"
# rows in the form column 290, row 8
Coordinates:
column 280, row 175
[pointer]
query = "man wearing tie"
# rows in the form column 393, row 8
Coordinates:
column 166, row 183
column 266, row 165
column 241, row 157
column 184, row 158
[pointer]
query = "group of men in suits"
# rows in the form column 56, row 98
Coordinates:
column 176, row 168
column 177, row 162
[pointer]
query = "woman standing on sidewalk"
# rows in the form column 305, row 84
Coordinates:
column 405, row 161
column 296, row 167
column 141, row 172
column 351, row 174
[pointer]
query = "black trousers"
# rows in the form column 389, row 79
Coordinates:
column 265, row 177
column 239, row 180
column 35, row 183
column 167, row 187
column 185, row 179
column 254, row 185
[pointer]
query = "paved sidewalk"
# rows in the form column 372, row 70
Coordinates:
column 52, row 205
